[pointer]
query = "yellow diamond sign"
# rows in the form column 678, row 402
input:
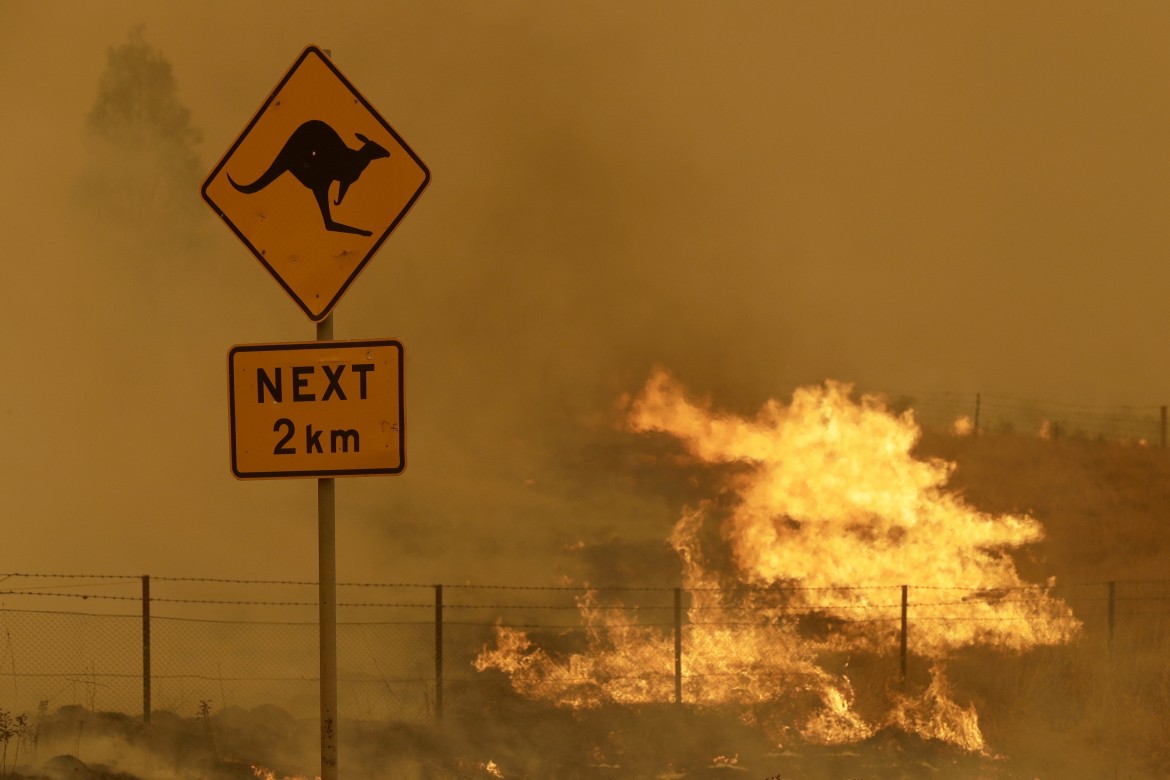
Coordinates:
column 315, row 183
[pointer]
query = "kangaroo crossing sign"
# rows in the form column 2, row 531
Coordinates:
column 315, row 183
column 316, row 409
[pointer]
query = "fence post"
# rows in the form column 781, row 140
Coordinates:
column 902, row 654
column 1163, row 428
column 978, row 403
column 438, row 652
column 146, row 648
column 678, row 645
column 1111, row 611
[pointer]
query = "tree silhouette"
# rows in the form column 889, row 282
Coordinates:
column 141, row 176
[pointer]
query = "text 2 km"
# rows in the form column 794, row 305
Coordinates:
column 339, row 439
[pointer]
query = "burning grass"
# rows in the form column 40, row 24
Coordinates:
column 786, row 671
column 831, row 514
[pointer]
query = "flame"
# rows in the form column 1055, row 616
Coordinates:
column 935, row 716
column 635, row 662
column 264, row 773
column 963, row 426
column 832, row 515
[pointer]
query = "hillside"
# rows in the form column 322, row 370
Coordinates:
column 1103, row 505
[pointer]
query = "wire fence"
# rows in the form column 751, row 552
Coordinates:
column 972, row 413
column 407, row 651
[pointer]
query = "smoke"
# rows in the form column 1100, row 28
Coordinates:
column 759, row 197
column 141, row 162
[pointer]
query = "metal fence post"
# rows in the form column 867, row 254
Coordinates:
column 438, row 652
column 902, row 654
column 1111, row 611
column 978, row 403
column 146, row 648
column 678, row 645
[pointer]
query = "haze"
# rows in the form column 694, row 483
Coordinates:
column 912, row 197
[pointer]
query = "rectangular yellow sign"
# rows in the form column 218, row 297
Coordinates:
column 316, row 409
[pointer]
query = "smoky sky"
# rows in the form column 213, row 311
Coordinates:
column 911, row 197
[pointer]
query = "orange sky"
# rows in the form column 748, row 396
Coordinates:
column 910, row 196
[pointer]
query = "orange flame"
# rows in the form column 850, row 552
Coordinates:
column 935, row 716
column 832, row 515
column 963, row 426
column 264, row 773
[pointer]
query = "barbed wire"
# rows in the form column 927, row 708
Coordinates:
column 83, row 596
column 732, row 589
column 6, row 575
column 976, row 596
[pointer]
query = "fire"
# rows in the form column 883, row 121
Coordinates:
column 963, row 426
column 934, row 716
column 634, row 661
column 832, row 515
column 264, row 773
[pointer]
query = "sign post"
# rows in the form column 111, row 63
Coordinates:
column 327, row 602
column 327, row 408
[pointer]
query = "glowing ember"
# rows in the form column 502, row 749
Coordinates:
column 832, row 515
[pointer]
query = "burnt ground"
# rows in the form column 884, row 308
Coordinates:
column 511, row 738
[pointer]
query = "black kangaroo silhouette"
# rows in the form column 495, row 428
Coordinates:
column 317, row 157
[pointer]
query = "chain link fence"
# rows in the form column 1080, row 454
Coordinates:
column 70, row 658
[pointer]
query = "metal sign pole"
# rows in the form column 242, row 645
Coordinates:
column 327, row 601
